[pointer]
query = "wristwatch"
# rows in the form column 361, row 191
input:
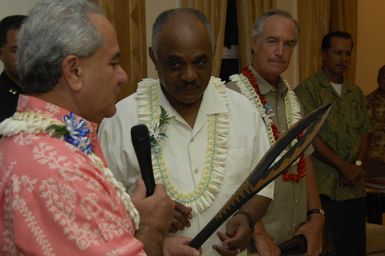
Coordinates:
column 358, row 163
column 316, row 211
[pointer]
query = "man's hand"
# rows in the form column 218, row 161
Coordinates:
column 351, row 173
column 156, row 214
column 182, row 216
column 178, row 246
column 263, row 242
column 313, row 230
column 237, row 237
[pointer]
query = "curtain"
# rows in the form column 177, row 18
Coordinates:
column 215, row 11
column 317, row 18
column 247, row 12
column 313, row 17
column 128, row 18
column 343, row 16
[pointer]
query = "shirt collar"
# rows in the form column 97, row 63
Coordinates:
column 346, row 87
column 265, row 87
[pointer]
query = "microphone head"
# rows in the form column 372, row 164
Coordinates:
column 140, row 135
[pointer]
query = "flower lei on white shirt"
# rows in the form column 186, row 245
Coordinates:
column 150, row 113
column 248, row 85
column 73, row 132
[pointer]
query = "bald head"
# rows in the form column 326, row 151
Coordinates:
column 182, row 54
column 178, row 16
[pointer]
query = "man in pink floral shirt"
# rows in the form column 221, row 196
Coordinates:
column 57, row 195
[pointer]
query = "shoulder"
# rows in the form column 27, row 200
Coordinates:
column 45, row 155
column 238, row 100
column 126, row 112
column 309, row 83
column 372, row 96
column 243, row 112
column 354, row 88
column 233, row 85
column 128, row 101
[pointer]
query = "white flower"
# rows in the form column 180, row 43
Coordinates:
column 157, row 130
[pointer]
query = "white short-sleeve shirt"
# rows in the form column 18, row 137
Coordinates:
column 184, row 149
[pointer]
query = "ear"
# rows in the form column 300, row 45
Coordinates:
column 253, row 45
column 152, row 57
column 71, row 69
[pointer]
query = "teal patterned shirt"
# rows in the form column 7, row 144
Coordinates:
column 347, row 121
column 376, row 104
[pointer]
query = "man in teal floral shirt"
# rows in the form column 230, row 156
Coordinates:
column 340, row 146
column 375, row 161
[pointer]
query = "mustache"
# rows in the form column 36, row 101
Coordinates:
column 344, row 65
column 193, row 83
column 278, row 60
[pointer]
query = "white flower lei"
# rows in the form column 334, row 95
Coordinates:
column 209, row 185
column 33, row 122
column 292, row 106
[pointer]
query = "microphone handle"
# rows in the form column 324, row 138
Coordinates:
column 147, row 176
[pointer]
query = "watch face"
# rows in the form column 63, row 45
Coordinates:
column 358, row 162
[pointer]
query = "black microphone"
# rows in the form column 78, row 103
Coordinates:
column 141, row 141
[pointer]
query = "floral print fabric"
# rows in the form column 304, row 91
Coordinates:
column 55, row 200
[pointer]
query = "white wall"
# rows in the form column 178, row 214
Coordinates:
column 370, row 43
column 153, row 9
column 13, row 7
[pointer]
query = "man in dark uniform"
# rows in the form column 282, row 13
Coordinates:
column 9, row 80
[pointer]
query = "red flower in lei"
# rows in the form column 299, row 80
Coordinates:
column 295, row 177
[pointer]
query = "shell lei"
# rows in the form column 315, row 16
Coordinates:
column 210, row 183
column 245, row 82
column 33, row 122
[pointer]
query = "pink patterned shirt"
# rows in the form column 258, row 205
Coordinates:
column 55, row 200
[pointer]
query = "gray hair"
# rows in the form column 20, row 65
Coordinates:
column 54, row 30
column 260, row 21
column 163, row 18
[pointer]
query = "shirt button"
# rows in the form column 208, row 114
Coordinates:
column 196, row 170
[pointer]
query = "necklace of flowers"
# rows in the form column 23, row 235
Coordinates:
column 156, row 119
column 248, row 85
column 74, row 132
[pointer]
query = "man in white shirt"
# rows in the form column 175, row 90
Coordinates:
column 205, row 138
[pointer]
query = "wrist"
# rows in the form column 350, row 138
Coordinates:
column 151, row 238
column 259, row 229
column 315, row 211
column 248, row 217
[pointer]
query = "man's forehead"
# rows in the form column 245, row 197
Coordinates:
column 339, row 42
column 12, row 33
column 277, row 26
column 11, row 37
